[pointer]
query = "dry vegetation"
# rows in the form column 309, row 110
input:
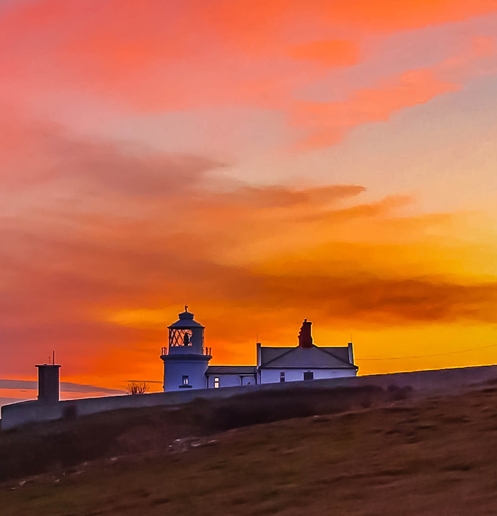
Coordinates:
column 366, row 453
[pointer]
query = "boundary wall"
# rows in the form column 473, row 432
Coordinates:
column 452, row 380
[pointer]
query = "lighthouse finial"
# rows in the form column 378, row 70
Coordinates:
column 186, row 308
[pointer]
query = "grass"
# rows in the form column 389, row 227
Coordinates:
column 57, row 445
column 409, row 457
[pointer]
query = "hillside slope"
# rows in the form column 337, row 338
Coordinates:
column 435, row 455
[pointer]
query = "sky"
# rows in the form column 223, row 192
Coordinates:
column 263, row 161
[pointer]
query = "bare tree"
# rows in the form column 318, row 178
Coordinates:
column 137, row 388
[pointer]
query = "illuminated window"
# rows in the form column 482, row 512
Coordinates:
column 185, row 380
column 282, row 377
column 308, row 375
column 216, row 382
column 180, row 337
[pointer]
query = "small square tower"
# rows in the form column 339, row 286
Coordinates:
column 48, row 383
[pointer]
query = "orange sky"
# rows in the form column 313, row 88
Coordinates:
column 263, row 162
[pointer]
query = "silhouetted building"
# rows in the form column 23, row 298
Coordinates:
column 186, row 361
column 48, row 383
column 185, row 358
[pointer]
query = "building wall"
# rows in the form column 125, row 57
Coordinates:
column 176, row 369
column 451, row 380
column 297, row 375
column 230, row 380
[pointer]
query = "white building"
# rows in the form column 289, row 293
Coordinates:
column 186, row 360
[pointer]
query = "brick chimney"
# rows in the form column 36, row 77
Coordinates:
column 305, row 337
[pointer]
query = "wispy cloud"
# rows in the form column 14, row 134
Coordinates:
column 125, row 55
column 329, row 122
column 103, row 274
column 64, row 387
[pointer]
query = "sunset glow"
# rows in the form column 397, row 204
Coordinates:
column 261, row 161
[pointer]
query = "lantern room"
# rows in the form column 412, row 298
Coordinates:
column 186, row 336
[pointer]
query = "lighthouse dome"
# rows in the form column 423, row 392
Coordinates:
column 185, row 321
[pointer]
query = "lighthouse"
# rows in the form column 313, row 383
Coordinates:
column 185, row 358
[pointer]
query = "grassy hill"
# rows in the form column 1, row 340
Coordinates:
column 365, row 451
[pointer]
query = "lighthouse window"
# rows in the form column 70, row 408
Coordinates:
column 216, row 382
column 180, row 337
column 185, row 380
column 308, row 375
column 282, row 376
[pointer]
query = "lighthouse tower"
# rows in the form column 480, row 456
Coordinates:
column 185, row 359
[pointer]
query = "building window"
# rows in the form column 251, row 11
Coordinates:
column 282, row 376
column 216, row 382
column 308, row 375
column 185, row 380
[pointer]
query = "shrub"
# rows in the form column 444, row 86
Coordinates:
column 137, row 388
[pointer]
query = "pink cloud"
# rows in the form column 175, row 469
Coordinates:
column 184, row 55
column 328, row 53
column 329, row 122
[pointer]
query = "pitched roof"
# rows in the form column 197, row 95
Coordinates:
column 269, row 354
column 312, row 358
column 230, row 370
